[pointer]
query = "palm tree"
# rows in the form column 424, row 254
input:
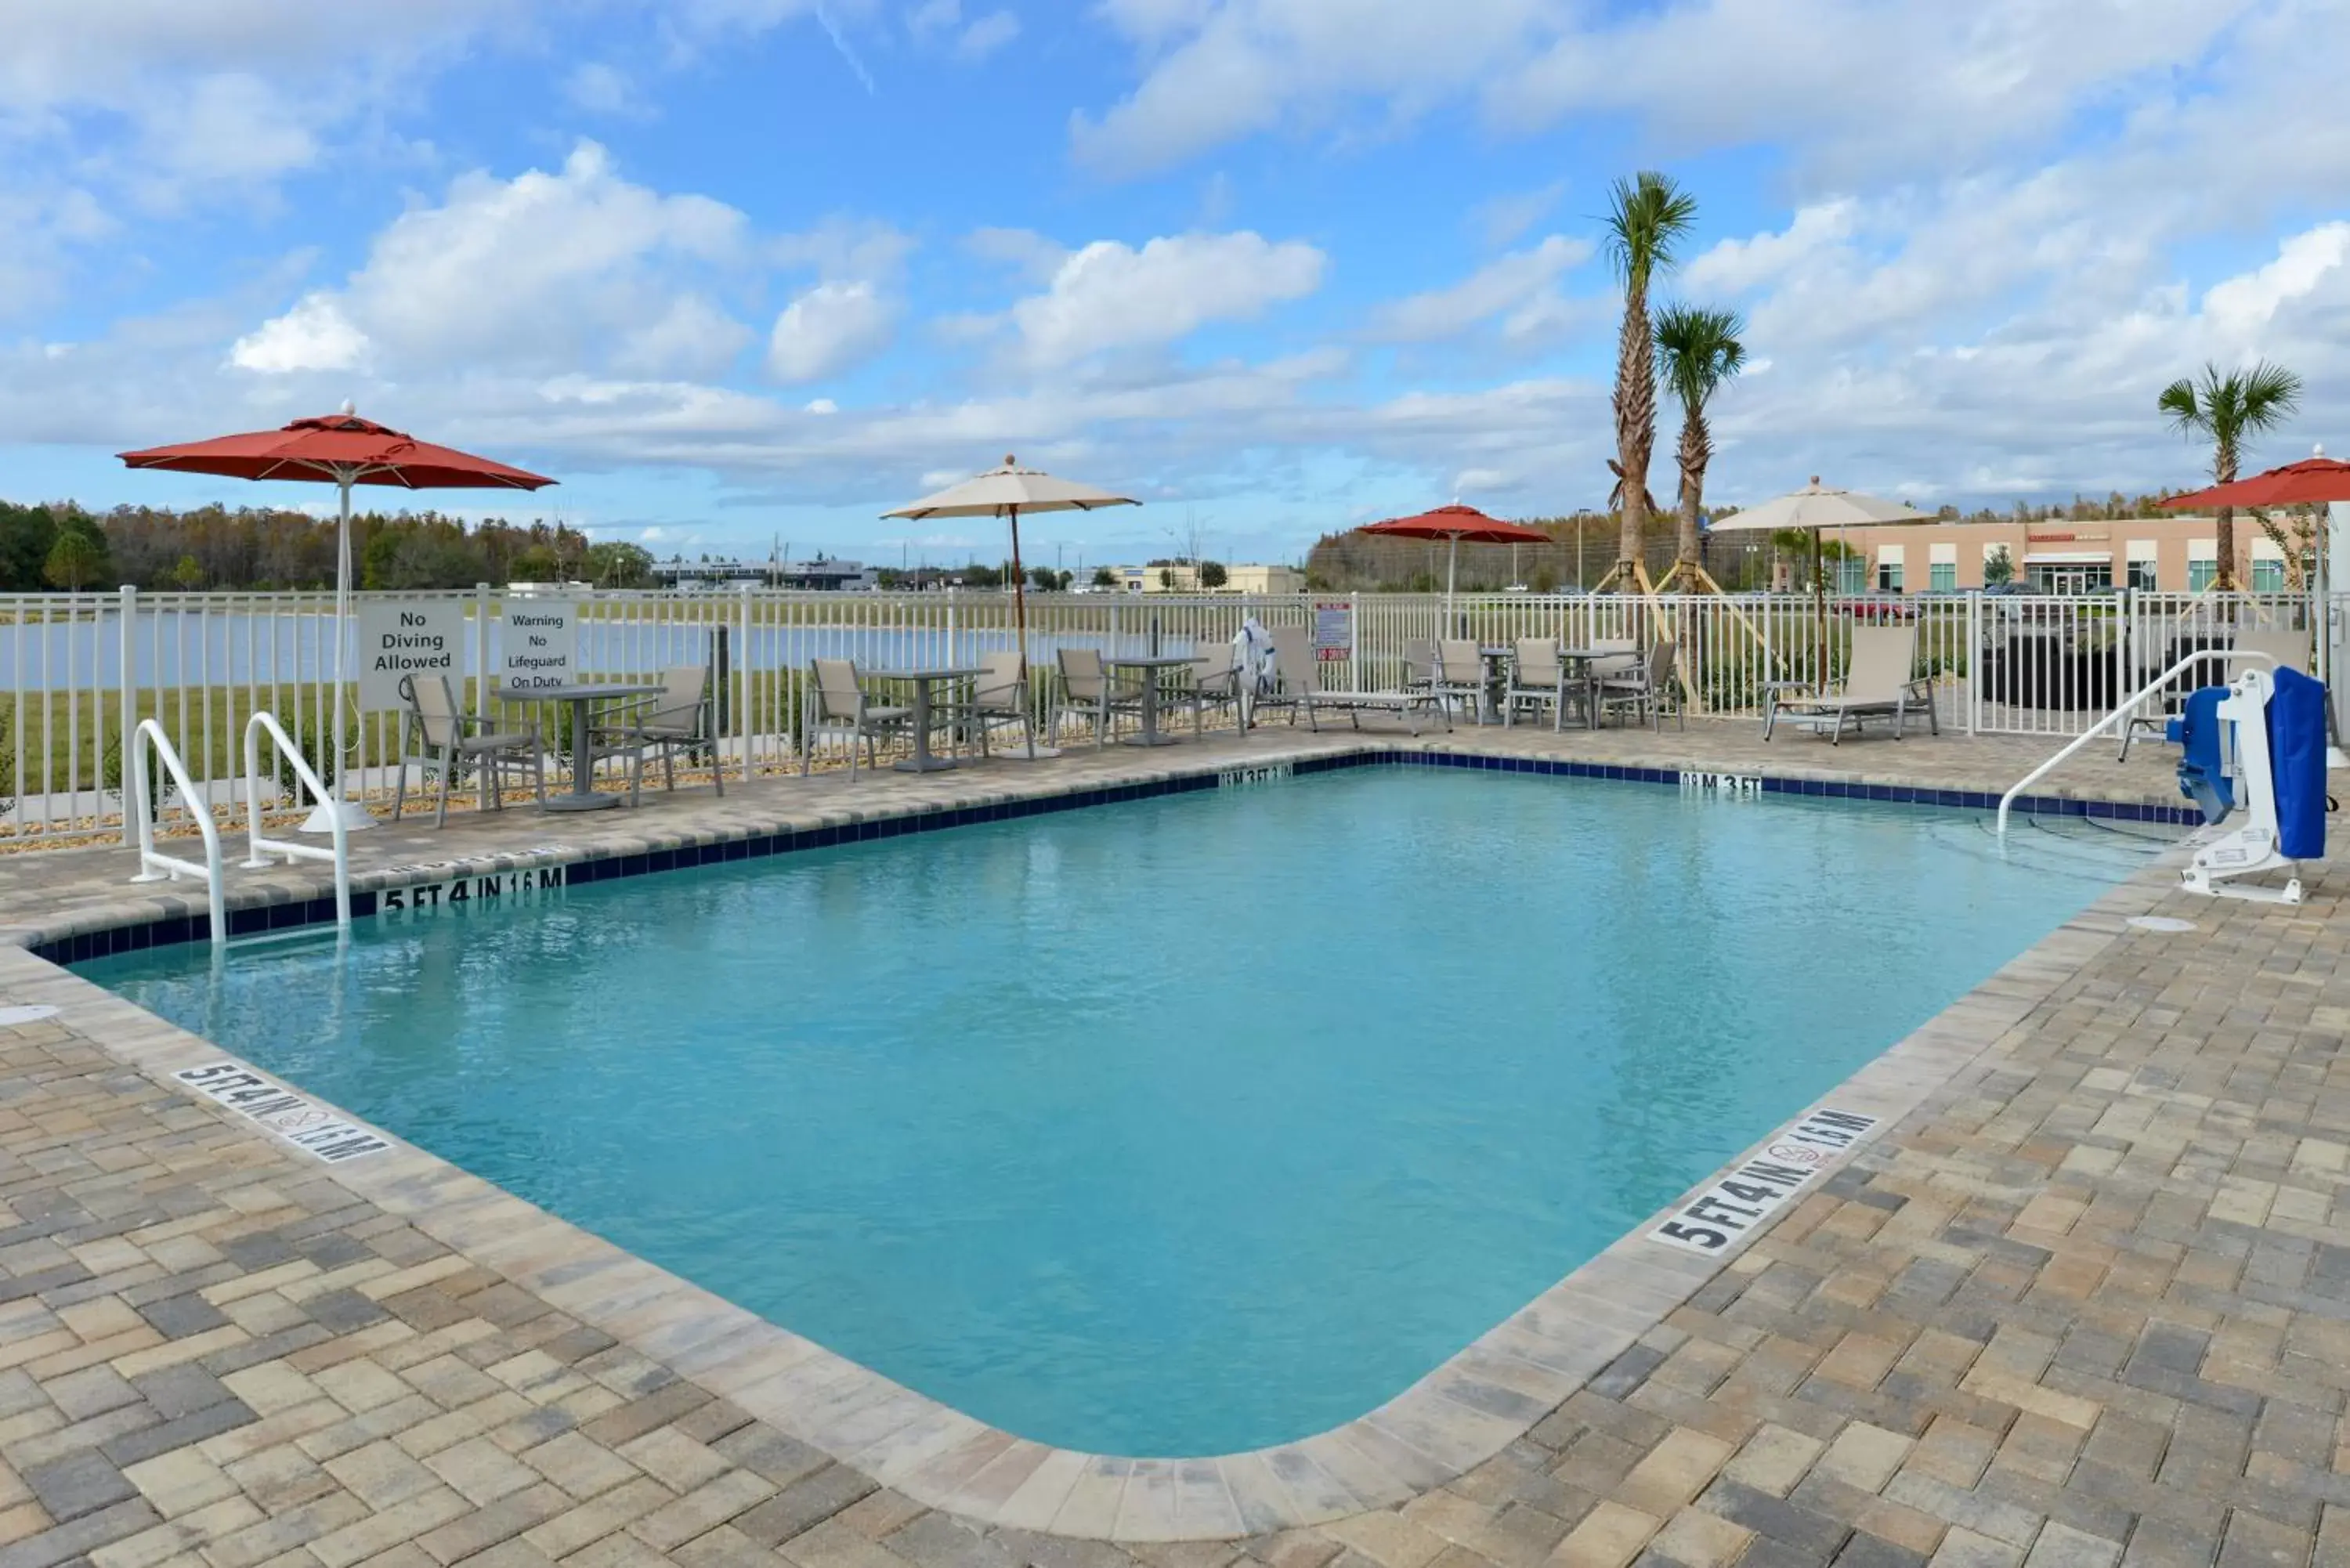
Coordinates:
column 1696, row 351
column 2225, row 408
column 1648, row 215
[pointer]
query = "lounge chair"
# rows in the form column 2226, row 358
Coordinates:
column 1089, row 691
column 1461, row 673
column 683, row 718
column 1645, row 688
column 999, row 695
column 837, row 706
column 446, row 745
column 1539, row 675
column 1296, row 686
column 1880, row 682
column 1420, row 666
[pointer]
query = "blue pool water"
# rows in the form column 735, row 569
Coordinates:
column 1177, row 1126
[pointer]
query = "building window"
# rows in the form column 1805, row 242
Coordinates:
column 2142, row 577
column 1888, row 576
column 2201, row 575
column 1942, row 577
column 1852, row 574
column 2268, row 577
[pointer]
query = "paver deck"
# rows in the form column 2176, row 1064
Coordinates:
column 2085, row 1302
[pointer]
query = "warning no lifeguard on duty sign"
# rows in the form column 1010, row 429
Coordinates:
column 1796, row 1155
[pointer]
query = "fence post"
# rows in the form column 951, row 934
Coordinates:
column 1974, row 663
column 742, row 663
column 481, row 654
column 128, row 716
column 1354, row 642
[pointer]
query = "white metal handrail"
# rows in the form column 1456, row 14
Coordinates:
column 260, row 848
column 155, row 866
column 2128, row 706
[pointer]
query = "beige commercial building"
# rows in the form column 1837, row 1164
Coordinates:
column 1185, row 579
column 2173, row 555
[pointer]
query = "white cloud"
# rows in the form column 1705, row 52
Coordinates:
column 1032, row 254
column 602, row 88
column 314, row 335
column 1111, row 295
column 539, row 270
column 830, row 328
column 1501, row 220
column 1521, row 288
column 987, row 34
column 2243, row 306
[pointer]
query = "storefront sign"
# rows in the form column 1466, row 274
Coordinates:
column 401, row 637
column 538, row 647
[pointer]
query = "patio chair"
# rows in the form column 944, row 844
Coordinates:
column 838, row 705
column 999, row 695
column 1418, row 665
column 1296, row 686
column 681, row 718
column 1461, row 673
column 1539, row 675
column 1215, row 683
column 1089, row 691
column 1643, row 688
column 451, row 741
column 1879, row 682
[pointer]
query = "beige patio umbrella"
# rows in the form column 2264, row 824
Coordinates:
column 1007, row 492
column 1814, row 507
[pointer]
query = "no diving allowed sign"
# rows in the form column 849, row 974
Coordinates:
column 1796, row 1155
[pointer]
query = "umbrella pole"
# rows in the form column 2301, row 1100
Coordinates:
column 1819, row 615
column 339, row 801
column 1033, row 752
column 1451, row 564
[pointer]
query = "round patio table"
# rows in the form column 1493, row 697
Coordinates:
column 583, row 796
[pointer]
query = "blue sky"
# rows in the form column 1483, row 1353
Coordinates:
column 745, row 270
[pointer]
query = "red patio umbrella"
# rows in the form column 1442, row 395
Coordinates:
column 1456, row 523
column 342, row 450
column 2311, row 481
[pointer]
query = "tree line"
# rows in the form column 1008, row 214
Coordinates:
column 61, row 545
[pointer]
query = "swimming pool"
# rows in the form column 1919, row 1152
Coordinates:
column 1179, row 1127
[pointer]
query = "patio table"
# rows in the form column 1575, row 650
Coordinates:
column 1150, row 667
column 583, row 795
column 925, row 760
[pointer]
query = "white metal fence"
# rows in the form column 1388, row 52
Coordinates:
column 77, row 672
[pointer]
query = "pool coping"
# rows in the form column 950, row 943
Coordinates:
column 1463, row 1411
column 301, row 895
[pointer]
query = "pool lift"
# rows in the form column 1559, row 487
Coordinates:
column 2257, row 744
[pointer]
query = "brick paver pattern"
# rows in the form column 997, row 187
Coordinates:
column 2089, row 1307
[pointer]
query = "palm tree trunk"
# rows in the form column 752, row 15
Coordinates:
column 1636, row 422
column 2223, row 519
column 1696, row 450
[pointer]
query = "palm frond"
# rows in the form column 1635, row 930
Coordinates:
column 1648, row 216
column 1698, row 349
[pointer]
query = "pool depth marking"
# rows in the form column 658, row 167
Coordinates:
column 1238, row 778
column 1730, row 1210
column 281, row 1111
column 1721, row 783
column 490, row 887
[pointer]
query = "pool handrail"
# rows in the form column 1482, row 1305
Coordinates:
column 339, row 855
column 153, row 864
column 2128, row 705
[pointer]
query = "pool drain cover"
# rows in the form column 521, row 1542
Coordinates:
column 13, row 1015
